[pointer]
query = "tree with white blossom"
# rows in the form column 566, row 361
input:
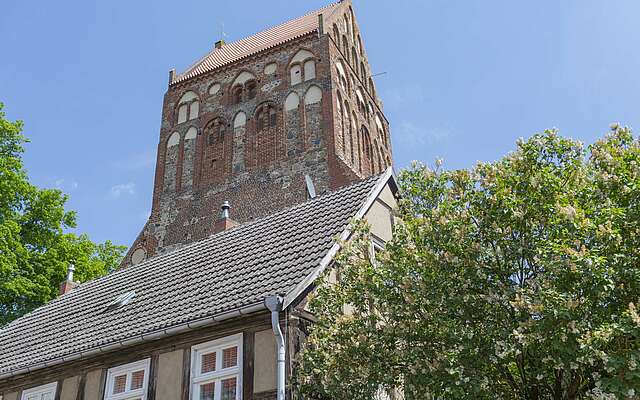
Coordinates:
column 515, row 279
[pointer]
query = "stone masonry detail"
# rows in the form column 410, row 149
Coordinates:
column 249, row 135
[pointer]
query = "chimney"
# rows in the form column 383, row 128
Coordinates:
column 69, row 284
column 219, row 44
column 224, row 222
column 172, row 75
column 320, row 24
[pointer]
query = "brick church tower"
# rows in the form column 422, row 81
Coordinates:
column 264, row 123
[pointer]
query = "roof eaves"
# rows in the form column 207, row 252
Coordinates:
column 290, row 297
column 137, row 339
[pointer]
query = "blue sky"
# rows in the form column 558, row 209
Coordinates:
column 464, row 79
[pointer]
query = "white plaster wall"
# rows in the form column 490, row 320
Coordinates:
column 264, row 372
column 380, row 217
column 169, row 384
column 70, row 388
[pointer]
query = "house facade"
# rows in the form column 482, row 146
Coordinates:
column 269, row 147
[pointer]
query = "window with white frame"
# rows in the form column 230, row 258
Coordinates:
column 377, row 246
column 216, row 369
column 44, row 392
column 128, row 382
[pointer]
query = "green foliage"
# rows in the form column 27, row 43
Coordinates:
column 35, row 250
column 516, row 279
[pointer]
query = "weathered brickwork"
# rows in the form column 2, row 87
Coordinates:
column 249, row 135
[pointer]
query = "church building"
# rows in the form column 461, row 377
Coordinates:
column 269, row 146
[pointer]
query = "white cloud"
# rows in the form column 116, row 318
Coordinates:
column 65, row 185
column 142, row 160
column 123, row 189
column 408, row 133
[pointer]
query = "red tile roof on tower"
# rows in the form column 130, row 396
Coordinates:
column 264, row 40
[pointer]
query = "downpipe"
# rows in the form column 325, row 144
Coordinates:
column 274, row 304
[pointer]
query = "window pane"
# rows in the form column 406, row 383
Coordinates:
column 309, row 70
column 207, row 391
column 47, row 396
column 228, row 389
column 230, row 357
column 296, row 74
column 193, row 111
column 137, row 380
column 119, row 384
column 182, row 113
column 208, row 362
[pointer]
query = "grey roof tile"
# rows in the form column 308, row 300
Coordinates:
column 224, row 272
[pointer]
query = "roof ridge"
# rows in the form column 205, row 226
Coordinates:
column 149, row 263
column 256, row 221
column 201, row 282
column 183, row 76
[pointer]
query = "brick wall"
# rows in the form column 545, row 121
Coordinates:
column 260, row 167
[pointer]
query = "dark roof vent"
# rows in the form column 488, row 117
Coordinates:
column 219, row 44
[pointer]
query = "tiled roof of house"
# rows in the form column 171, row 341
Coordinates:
column 230, row 270
column 264, row 40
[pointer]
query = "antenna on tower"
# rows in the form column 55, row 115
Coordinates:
column 222, row 32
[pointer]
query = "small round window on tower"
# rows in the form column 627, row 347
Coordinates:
column 138, row 256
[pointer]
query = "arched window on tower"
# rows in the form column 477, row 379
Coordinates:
column 251, row 89
column 266, row 117
column 309, row 70
column 302, row 67
column 354, row 59
column 336, row 35
column 244, row 86
column 341, row 130
column 345, row 48
column 342, row 76
column 237, row 94
column 347, row 24
column 313, row 95
column 363, row 73
column 292, row 102
column 296, row 74
column 353, row 133
column 215, row 132
column 367, row 152
column 188, row 107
